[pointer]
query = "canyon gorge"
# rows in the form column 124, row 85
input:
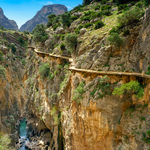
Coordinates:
column 55, row 97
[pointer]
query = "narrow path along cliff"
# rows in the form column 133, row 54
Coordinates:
column 82, row 81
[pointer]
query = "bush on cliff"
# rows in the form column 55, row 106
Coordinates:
column 51, row 18
column 78, row 92
column 1, row 56
column 2, row 71
column 115, row 39
column 39, row 34
column 71, row 41
column 129, row 17
column 98, row 25
column 66, row 19
column 133, row 87
column 44, row 70
column 4, row 142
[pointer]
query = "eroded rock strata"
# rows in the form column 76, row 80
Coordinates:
column 77, row 110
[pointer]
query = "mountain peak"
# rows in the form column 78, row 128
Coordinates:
column 5, row 22
column 41, row 16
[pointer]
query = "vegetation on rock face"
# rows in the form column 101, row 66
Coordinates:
column 62, row 46
column 51, row 18
column 133, row 87
column 44, row 70
column 1, row 56
column 65, row 19
column 115, row 39
column 71, row 41
column 39, row 34
column 13, row 48
column 2, row 71
column 99, row 24
column 103, row 88
column 129, row 17
column 4, row 142
column 78, row 92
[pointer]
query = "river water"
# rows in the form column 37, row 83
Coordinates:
column 23, row 134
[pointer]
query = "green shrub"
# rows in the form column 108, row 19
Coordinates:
column 85, row 18
column 80, row 26
column 54, row 27
column 133, row 87
column 123, row 7
column 88, row 25
column 13, row 48
column 39, row 34
column 129, row 17
column 51, row 76
column 146, row 2
column 78, row 92
column 1, row 56
column 113, row 30
column 96, row 14
column 148, row 71
column 65, row 19
column 5, row 142
column 115, row 39
column 88, row 13
column 56, row 20
column 2, row 71
column 51, row 17
column 56, row 37
column 148, row 133
column 62, row 46
column 86, row 2
column 44, row 70
column 26, row 32
column 71, row 41
column 73, row 18
column 106, row 12
column 62, row 37
column 126, row 32
column 98, row 25
column 105, row 7
column 20, row 39
column 103, row 88
column 77, row 30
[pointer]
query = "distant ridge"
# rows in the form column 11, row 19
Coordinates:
column 41, row 16
column 6, row 23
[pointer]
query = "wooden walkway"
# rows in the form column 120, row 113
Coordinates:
column 51, row 55
column 92, row 71
column 109, row 72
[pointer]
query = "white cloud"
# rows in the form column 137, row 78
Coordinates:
column 69, row 7
column 46, row 3
column 50, row 2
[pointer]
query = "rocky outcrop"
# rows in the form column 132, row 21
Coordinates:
column 41, row 16
column 12, row 92
column 90, row 117
column 6, row 23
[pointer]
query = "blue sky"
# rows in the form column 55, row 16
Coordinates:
column 23, row 10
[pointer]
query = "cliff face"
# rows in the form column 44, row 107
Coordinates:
column 6, row 23
column 69, row 102
column 88, row 116
column 12, row 92
column 41, row 16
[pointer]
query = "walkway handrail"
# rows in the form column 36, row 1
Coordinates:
column 51, row 55
column 110, row 72
column 93, row 71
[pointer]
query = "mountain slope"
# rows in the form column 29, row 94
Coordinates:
column 41, row 16
column 5, row 22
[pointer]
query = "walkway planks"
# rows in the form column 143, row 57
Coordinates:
column 52, row 55
column 92, row 71
column 109, row 72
